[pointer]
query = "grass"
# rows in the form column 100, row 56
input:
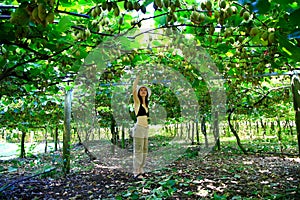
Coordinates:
column 157, row 140
column 221, row 174
column 11, row 150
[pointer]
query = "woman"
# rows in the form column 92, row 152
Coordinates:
column 140, row 132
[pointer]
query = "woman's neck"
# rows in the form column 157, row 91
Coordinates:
column 143, row 100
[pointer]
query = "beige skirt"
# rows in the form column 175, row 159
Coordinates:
column 140, row 131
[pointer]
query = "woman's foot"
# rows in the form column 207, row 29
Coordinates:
column 138, row 176
column 142, row 171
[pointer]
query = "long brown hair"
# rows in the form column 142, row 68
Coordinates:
column 146, row 98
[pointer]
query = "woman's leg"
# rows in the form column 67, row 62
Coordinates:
column 145, row 153
column 138, row 146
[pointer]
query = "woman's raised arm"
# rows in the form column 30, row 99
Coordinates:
column 134, row 89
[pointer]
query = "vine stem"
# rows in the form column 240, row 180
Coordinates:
column 244, row 7
column 4, row 187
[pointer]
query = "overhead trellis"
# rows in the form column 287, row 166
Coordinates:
column 244, row 42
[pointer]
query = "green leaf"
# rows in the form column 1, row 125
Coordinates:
column 65, row 3
column 147, row 2
column 237, row 176
column 283, row 2
column 289, row 48
column 171, row 182
column 236, row 197
column 27, row 87
column 294, row 17
column 2, row 168
column 189, row 193
column 83, row 53
column 282, row 23
column 68, row 87
column 12, row 169
column 195, row 83
column 7, row 33
column 235, row 20
column 128, row 44
column 224, row 48
column 261, row 6
column 160, row 21
column 64, row 24
column 190, row 30
column 156, row 43
column 219, row 197
column 128, row 18
column 50, row 46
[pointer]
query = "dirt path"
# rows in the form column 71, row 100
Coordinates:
column 218, row 175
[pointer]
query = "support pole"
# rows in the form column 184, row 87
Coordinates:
column 67, row 131
column 296, row 99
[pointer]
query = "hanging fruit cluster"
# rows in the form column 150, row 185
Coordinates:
column 39, row 13
column 108, row 5
column 166, row 4
column 20, row 16
column 42, row 12
column 171, row 6
column 224, row 12
column 96, row 11
column 130, row 5
column 197, row 17
column 83, row 34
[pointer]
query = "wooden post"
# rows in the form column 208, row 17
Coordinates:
column 67, row 131
column 193, row 132
column 56, row 138
column 46, row 140
column 123, row 137
column 197, row 132
column 23, row 153
column 114, row 132
column 296, row 98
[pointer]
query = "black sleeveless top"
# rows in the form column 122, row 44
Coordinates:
column 142, row 111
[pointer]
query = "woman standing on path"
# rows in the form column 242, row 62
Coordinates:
column 140, row 131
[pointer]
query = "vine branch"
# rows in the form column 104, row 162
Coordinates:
column 5, row 186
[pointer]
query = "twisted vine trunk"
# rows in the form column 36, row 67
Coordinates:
column 235, row 132
column 296, row 98
column 217, row 131
column 203, row 129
